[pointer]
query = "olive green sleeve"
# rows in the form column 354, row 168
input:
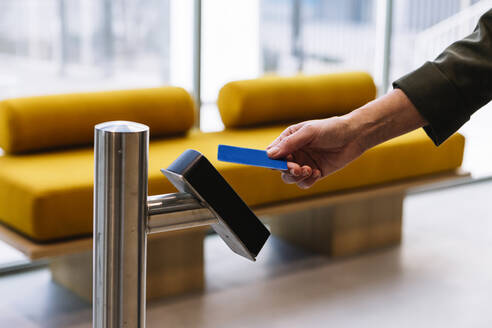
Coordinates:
column 448, row 90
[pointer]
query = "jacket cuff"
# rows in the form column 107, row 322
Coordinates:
column 437, row 100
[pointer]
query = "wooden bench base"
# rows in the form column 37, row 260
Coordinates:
column 174, row 266
column 339, row 224
column 347, row 228
column 175, row 260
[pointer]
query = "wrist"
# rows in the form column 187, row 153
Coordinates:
column 360, row 128
column 338, row 131
column 384, row 118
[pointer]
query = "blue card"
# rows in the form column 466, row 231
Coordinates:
column 249, row 156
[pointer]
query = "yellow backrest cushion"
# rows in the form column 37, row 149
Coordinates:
column 283, row 99
column 35, row 123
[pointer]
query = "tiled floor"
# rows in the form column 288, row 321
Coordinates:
column 441, row 276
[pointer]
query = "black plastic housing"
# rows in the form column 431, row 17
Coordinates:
column 238, row 226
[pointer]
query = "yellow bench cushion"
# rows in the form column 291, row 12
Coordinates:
column 38, row 123
column 286, row 99
column 48, row 196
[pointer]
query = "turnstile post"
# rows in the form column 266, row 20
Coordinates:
column 120, row 219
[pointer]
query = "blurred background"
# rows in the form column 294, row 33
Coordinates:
column 58, row 46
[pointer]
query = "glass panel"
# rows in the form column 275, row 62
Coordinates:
column 59, row 46
column 412, row 21
column 421, row 31
column 230, row 44
column 317, row 36
column 245, row 39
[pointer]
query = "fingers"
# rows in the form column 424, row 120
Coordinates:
column 296, row 173
column 291, row 179
column 292, row 143
column 308, row 182
column 303, row 182
column 291, row 139
column 304, row 176
column 287, row 132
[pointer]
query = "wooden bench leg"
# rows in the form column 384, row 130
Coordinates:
column 174, row 266
column 345, row 228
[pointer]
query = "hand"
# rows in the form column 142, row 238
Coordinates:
column 315, row 149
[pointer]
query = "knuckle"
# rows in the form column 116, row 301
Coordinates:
column 310, row 129
column 288, row 131
column 287, row 142
column 292, row 128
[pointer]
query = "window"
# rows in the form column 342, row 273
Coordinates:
column 57, row 46
column 72, row 45
column 421, row 31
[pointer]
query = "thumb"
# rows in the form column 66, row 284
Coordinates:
column 291, row 143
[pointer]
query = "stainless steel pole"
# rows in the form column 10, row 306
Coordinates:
column 120, row 219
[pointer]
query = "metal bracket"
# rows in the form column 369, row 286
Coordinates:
column 176, row 211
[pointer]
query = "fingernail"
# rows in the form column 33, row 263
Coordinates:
column 293, row 172
column 305, row 172
column 272, row 151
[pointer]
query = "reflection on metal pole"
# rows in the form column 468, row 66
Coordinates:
column 120, row 218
